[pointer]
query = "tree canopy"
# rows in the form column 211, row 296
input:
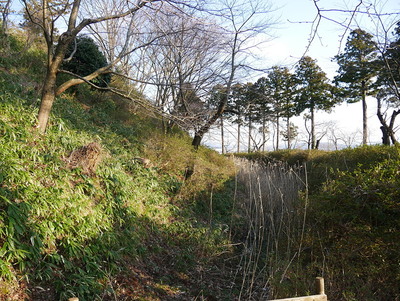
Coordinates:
column 314, row 91
column 276, row 97
column 357, row 69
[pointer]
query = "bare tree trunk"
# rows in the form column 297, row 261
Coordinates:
column 391, row 126
column 364, row 109
column 289, row 134
column 204, row 129
column 317, row 143
column 384, row 127
column 385, row 135
column 48, row 96
column 49, row 86
column 263, row 134
column 273, row 140
column 249, row 141
column 238, row 138
column 312, row 129
column 222, row 136
column 277, row 132
column 197, row 140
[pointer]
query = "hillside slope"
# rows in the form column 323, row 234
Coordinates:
column 116, row 230
column 129, row 225
column 350, row 227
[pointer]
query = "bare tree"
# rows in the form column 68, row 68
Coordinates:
column 243, row 22
column 50, row 13
column 192, row 58
column 185, row 65
column 111, row 34
column 340, row 139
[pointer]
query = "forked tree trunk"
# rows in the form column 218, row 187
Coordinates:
column 48, row 96
column 54, row 62
column 55, row 58
column 388, row 133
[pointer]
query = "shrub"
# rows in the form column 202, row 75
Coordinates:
column 354, row 222
column 86, row 59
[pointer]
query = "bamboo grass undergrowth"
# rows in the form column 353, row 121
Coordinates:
column 66, row 233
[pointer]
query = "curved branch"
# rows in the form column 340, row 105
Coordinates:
column 79, row 79
column 183, row 121
column 87, row 22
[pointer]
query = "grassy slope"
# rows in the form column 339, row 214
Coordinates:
column 131, row 233
column 351, row 234
column 125, row 232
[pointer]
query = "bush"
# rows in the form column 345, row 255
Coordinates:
column 356, row 217
column 86, row 59
column 352, row 225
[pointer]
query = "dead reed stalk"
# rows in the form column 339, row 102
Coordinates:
column 274, row 221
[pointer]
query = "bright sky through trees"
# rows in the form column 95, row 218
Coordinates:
column 298, row 20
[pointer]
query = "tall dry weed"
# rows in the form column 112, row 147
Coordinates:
column 274, row 218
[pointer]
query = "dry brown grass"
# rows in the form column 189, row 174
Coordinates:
column 274, row 219
column 86, row 157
